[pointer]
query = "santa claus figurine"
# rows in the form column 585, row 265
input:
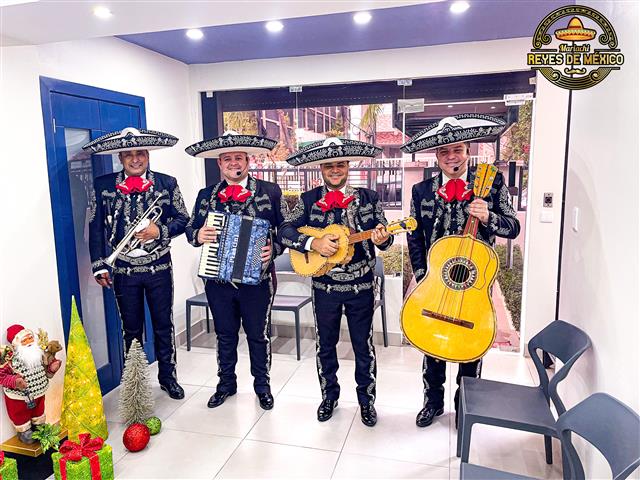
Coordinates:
column 24, row 374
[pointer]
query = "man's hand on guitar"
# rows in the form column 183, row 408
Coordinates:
column 479, row 209
column 325, row 246
column 207, row 235
column 379, row 235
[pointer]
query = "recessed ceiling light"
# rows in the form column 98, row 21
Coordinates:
column 274, row 26
column 194, row 34
column 459, row 6
column 449, row 106
column 493, row 107
column 102, row 12
column 362, row 18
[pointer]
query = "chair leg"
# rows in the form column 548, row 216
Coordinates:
column 383, row 314
column 547, row 450
column 459, row 430
column 566, row 466
column 188, row 328
column 466, row 440
column 208, row 327
column 297, row 314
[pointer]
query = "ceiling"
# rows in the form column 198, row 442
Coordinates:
column 235, row 31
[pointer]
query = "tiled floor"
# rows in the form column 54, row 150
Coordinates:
column 240, row 440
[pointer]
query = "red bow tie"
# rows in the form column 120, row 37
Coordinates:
column 134, row 184
column 236, row 193
column 334, row 199
column 455, row 190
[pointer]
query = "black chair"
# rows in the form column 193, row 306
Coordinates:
column 522, row 407
column 380, row 302
column 289, row 303
column 196, row 301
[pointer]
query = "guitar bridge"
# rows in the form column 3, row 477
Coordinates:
column 448, row 319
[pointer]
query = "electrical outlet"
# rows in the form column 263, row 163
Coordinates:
column 547, row 200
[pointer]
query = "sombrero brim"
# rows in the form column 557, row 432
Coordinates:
column 115, row 143
column 317, row 153
column 214, row 147
column 484, row 128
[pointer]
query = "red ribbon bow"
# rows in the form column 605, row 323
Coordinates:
column 455, row 190
column 236, row 193
column 334, row 199
column 134, row 184
column 74, row 452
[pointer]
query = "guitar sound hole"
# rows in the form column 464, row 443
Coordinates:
column 459, row 273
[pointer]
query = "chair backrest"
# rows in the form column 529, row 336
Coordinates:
column 379, row 275
column 607, row 424
column 566, row 342
column 283, row 263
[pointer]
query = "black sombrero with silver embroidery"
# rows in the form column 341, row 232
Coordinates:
column 468, row 127
column 231, row 141
column 130, row 139
column 333, row 149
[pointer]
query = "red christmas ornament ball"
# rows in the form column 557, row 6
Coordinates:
column 136, row 437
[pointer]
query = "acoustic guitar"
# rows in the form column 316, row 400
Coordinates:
column 312, row 264
column 450, row 314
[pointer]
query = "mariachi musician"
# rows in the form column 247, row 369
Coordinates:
column 141, row 269
column 441, row 206
column 351, row 286
column 239, row 194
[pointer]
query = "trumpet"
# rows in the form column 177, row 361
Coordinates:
column 129, row 242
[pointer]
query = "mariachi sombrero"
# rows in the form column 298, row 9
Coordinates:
column 575, row 32
column 468, row 127
column 130, row 139
column 231, row 141
column 333, row 149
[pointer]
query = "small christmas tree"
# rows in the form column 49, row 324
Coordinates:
column 82, row 410
column 136, row 400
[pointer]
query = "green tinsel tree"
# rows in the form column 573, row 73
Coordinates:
column 136, row 399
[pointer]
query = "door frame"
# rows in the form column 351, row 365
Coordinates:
column 58, row 178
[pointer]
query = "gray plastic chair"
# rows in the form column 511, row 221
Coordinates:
column 289, row 303
column 199, row 300
column 469, row 471
column 517, row 406
column 610, row 426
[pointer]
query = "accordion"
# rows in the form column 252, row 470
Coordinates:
column 235, row 255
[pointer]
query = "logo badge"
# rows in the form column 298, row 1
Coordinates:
column 575, row 47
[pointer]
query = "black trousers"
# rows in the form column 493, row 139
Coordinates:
column 130, row 291
column 434, row 374
column 358, row 308
column 251, row 306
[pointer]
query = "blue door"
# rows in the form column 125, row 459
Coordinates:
column 73, row 115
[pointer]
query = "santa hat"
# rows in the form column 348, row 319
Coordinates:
column 14, row 331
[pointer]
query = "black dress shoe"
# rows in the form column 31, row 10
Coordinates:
column 218, row 399
column 174, row 390
column 325, row 410
column 266, row 400
column 368, row 415
column 426, row 415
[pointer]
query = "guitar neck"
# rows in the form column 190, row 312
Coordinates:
column 471, row 228
column 360, row 236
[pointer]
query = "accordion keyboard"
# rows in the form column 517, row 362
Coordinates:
column 209, row 259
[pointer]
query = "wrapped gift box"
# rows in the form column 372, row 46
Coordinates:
column 8, row 468
column 95, row 463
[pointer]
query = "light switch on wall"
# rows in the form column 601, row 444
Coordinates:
column 546, row 216
column 575, row 223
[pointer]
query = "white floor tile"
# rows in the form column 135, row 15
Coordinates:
column 406, row 358
column 163, row 407
column 399, row 388
column 293, row 421
column 360, row 466
column 115, row 440
column 281, row 371
column 235, row 417
column 255, row 459
column 173, row 454
column 304, row 382
column 506, row 367
column 397, row 437
column 195, row 368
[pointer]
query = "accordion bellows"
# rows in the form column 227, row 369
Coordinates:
column 235, row 256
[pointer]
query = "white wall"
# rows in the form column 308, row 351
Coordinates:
column 443, row 60
column 29, row 273
column 600, row 260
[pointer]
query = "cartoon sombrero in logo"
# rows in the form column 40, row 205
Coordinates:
column 130, row 139
column 468, row 127
column 231, row 141
column 333, row 149
column 575, row 32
